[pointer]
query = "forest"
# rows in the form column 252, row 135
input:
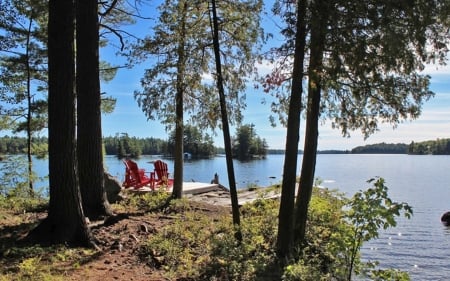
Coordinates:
column 356, row 64
column 382, row 148
column 246, row 145
column 434, row 147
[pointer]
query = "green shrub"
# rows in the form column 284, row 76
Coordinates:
column 201, row 247
column 253, row 258
column 146, row 201
column 181, row 248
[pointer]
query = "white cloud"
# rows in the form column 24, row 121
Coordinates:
column 433, row 69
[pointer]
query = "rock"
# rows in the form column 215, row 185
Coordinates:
column 445, row 219
column 112, row 188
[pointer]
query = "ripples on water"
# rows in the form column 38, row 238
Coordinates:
column 420, row 246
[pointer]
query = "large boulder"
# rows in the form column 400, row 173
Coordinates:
column 112, row 188
column 445, row 219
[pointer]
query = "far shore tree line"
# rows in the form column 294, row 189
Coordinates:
column 246, row 145
column 200, row 146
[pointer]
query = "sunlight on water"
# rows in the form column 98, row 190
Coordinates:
column 420, row 245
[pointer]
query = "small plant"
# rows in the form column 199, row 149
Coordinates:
column 39, row 263
column 181, row 248
column 147, row 201
column 15, row 193
column 369, row 211
column 252, row 258
column 320, row 255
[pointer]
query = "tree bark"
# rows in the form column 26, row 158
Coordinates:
column 65, row 222
column 318, row 31
column 286, row 213
column 225, row 126
column 177, row 191
column 89, row 129
column 29, row 111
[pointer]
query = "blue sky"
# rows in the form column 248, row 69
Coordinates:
column 433, row 123
column 128, row 117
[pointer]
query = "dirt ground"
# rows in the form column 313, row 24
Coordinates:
column 119, row 240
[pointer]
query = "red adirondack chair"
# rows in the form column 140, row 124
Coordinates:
column 162, row 172
column 135, row 177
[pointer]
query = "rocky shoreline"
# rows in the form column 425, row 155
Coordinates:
column 219, row 196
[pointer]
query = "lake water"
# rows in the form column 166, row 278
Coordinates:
column 420, row 245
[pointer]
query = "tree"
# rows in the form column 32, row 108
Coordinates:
column 127, row 147
column 225, row 122
column 89, row 130
column 182, row 48
column 363, row 69
column 285, row 236
column 368, row 212
column 247, row 143
column 194, row 142
column 65, row 222
column 23, row 70
column 317, row 42
column 370, row 68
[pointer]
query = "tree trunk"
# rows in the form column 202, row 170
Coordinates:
column 286, row 213
column 29, row 111
column 65, row 222
column 318, row 30
column 225, row 126
column 89, row 132
column 177, row 191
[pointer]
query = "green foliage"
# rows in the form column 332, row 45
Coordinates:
column 127, row 146
column 37, row 263
column 389, row 148
column 23, row 65
column 369, row 211
column 247, row 143
column 181, row 53
column 146, row 146
column 371, row 72
column 254, row 257
column 18, row 145
column 202, row 247
column 182, row 248
column 15, row 193
column 146, row 201
column 388, row 274
column 197, row 245
column 194, row 142
column 321, row 256
column 435, row 147
column 108, row 104
column 336, row 229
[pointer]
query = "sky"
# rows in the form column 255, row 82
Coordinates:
column 127, row 117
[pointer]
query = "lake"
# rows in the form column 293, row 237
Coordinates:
column 420, row 245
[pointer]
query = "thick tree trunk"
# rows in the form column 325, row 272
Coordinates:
column 286, row 214
column 177, row 191
column 65, row 222
column 89, row 132
column 318, row 30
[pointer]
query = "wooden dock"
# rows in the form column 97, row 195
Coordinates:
column 192, row 188
column 199, row 187
column 217, row 194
